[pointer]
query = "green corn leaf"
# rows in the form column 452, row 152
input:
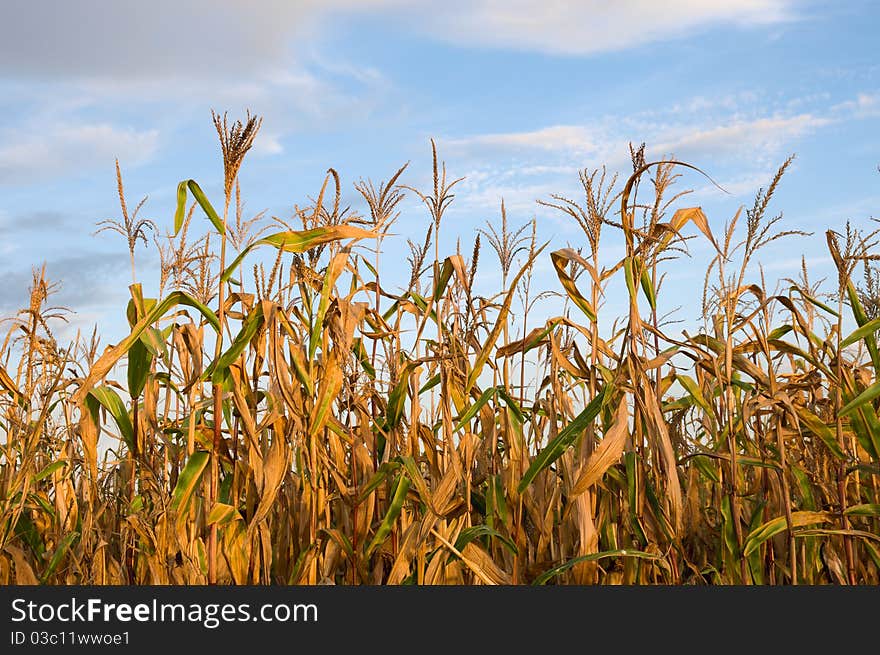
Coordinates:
column 813, row 301
column 818, row 427
column 361, row 352
column 206, row 206
column 111, row 401
column 382, row 473
column 390, row 516
column 779, row 332
column 560, row 259
column 628, row 275
column 728, row 529
column 863, row 398
column 805, row 487
column 705, row 466
column 222, row 514
column 432, row 382
column 592, row 557
column 249, row 328
column 512, row 405
column 445, row 275
column 50, row 469
column 475, row 532
column 139, row 360
column 397, row 398
column 648, row 288
column 189, row 480
column 112, row 355
column 485, row 397
column 564, row 439
column 693, row 389
column 58, row 555
column 301, row 241
column 867, row 329
column 862, row 319
column 180, row 212
column 775, row 526
column 866, row 427
column 630, row 463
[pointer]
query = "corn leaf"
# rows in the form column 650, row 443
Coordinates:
column 111, row 401
column 391, row 515
column 592, row 557
column 189, row 480
column 300, row 241
column 775, row 526
column 564, row 439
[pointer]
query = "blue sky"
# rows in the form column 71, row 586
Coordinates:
column 519, row 95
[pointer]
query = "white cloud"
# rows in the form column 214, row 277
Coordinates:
column 267, row 143
column 519, row 197
column 225, row 39
column 743, row 184
column 740, row 126
column 568, row 138
column 84, row 280
column 46, row 151
column 99, row 57
column 761, row 136
column 129, row 39
column 742, row 138
column 866, row 105
column 591, row 26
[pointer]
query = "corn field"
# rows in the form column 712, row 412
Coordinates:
column 310, row 422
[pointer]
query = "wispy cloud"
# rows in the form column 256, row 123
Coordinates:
column 35, row 221
column 742, row 137
column 592, row 26
column 519, row 196
column 729, row 135
column 865, row 105
column 160, row 40
column 760, row 136
column 104, row 58
column 163, row 39
column 568, row 138
column 70, row 73
column 49, row 150
column 737, row 185
column 87, row 280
